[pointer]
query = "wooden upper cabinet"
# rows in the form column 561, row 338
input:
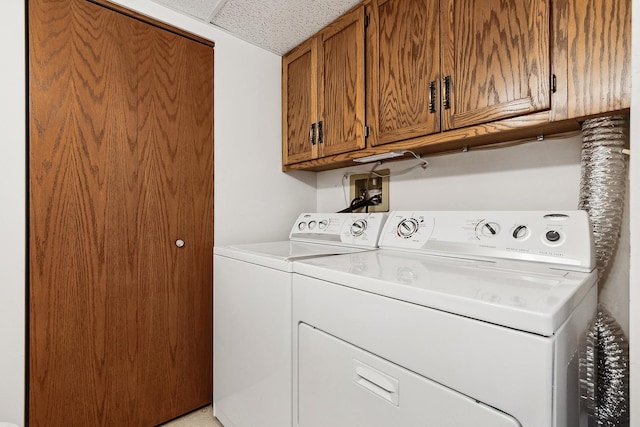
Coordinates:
column 404, row 63
column 341, row 92
column 323, row 95
column 495, row 60
column 299, row 94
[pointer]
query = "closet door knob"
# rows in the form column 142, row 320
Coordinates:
column 179, row 243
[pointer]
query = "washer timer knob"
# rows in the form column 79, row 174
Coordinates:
column 358, row 227
column 552, row 236
column 520, row 232
column 408, row 227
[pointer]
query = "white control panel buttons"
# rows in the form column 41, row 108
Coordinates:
column 555, row 237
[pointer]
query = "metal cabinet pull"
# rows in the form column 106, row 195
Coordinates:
column 432, row 97
column 320, row 132
column 312, row 134
column 446, row 103
column 180, row 243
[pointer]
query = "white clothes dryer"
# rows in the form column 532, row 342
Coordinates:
column 252, row 378
column 466, row 319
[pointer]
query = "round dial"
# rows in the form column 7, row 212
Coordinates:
column 323, row 224
column 489, row 229
column 552, row 236
column 520, row 232
column 358, row 227
column 312, row 225
column 302, row 225
column 408, row 227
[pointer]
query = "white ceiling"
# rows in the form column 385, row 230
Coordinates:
column 275, row 25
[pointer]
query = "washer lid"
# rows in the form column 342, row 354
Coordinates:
column 531, row 297
column 278, row 255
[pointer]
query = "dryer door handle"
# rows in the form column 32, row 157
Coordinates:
column 376, row 382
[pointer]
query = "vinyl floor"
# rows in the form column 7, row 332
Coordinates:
column 202, row 417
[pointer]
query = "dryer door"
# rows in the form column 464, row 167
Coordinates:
column 340, row 385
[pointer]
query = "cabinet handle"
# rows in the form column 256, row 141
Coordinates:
column 312, row 134
column 320, row 132
column 432, row 97
column 446, row 103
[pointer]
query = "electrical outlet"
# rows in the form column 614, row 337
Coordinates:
column 369, row 185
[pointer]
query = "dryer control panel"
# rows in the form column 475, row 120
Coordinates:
column 563, row 237
column 350, row 229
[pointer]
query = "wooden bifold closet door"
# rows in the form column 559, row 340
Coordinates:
column 121, row 173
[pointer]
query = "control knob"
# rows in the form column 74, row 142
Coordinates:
column 552, row 236
column 358, row 227
column 323, row 224
column 408, row 227
column 520, row 232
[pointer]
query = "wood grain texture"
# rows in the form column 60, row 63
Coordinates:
column 497, row 55
column 342, row 84
column 91, row 294
column 299, row 102
column 175, row 202
column 599, row 49
column 405, row 39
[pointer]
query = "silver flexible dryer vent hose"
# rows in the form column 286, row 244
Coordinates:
column 604, row 363
column 603, row 182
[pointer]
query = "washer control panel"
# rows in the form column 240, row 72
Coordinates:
column 563, row 238
column 352, row 229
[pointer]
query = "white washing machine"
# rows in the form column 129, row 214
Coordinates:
column 465, row 319
column 252, row 378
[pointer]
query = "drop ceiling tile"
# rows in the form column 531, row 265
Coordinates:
column 277, row 25
column 199, row 8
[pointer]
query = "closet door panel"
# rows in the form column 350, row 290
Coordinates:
column 175, row 204
column 82, row 149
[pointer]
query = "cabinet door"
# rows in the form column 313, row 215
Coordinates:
column 404, row 54
column 299, row 103
column 341, row 91
column 495, row 60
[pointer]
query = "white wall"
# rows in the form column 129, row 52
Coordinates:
column 12, row 213
column 247, row 136
column 541, row 175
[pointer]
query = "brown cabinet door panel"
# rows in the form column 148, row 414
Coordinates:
column 405, row 40
column 496, row 55
column 299, row 109
column 341, row 91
